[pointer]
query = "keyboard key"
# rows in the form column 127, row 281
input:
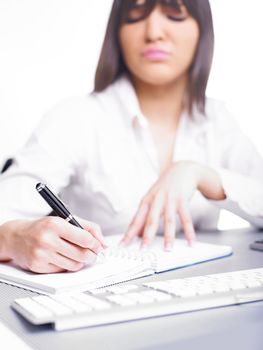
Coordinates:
column 179, row 291
column 72, row 303
column 251, row 283
column 161, row 286
column 185, row 293
column 93, row 302
column 97, row 291
column 121, row 300
column 204, row 290
column 141, row 298
column 236, row 285
column 34, row 308
column 116, row 290
column 155, row 285
column 52, row 305
column 156, row 295
column 129, row 287
column 220, row 287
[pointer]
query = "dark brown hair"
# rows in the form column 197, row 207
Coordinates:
column 111, row 64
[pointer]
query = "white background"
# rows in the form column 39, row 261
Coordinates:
column 49, row 51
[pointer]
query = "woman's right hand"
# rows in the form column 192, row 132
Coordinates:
column 50, row 244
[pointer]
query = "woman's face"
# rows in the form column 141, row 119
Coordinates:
column 159, row 49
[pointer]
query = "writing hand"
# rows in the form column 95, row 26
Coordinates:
column 51, row 244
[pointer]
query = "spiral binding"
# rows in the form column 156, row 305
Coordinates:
column 124, row 253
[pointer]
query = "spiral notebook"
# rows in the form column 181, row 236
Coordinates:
column 115, row 265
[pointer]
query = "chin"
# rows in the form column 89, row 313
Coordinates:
column 157, row 79
column 157, row 76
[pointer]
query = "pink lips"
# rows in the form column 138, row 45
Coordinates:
column 155, row 54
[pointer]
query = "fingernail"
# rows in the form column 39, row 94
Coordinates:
column 122, row 244
column 191, row 242
column 168, row 247
column 144, row 246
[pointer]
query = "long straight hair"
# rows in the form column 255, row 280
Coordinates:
column 111, row 65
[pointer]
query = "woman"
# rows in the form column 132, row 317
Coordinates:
column 146, row 152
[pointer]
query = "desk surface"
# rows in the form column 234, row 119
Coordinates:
column 235, row 327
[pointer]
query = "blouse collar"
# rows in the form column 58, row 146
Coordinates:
column 129, row 103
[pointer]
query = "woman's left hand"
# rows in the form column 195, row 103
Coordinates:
column 169, row 197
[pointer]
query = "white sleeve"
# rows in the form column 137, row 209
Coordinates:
column 51, row 156
column 244, row 196
column 240, row 169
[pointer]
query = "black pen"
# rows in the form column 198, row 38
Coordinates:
column 56, row 204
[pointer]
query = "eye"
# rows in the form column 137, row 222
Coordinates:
column 174, row 10
column 136, row 11
column 135, row 14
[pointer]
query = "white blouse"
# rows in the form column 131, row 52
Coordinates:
column 98, row 154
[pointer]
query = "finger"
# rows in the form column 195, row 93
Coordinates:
column 136, row 225
column 95, row 230
column 53, row 269
column 186, row 221
column 74, row 252
column 65, row 263
column 39, row 262
column 46, row 268
column 169, row 224
column 152, row 220
column 80, row 237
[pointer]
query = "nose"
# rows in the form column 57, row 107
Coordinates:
column 154, row 25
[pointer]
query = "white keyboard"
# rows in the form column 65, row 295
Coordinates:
column 133, row 301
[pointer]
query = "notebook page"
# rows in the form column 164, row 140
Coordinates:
column 181, row 255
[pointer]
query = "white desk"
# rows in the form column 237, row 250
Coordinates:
column 10, row 340
column 234, row 327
